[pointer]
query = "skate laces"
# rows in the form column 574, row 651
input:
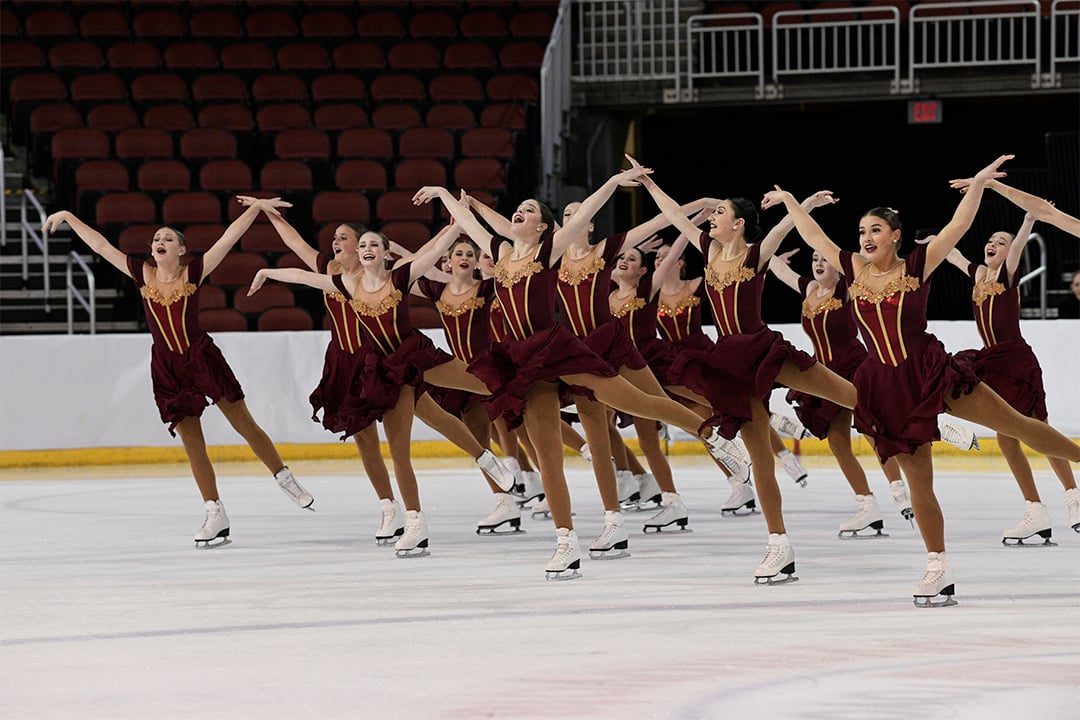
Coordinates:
column 774, row 552
column 211, row 517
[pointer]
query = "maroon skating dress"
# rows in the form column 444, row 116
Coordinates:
column 536, row 348
column 639, row 317
column 908, row 376
column 747, row 356
column 344, row 355
column 467, row 324
column 402, row 354
column 1006, row 362
column 186, row 367
column 680, row 325
column 831, row 327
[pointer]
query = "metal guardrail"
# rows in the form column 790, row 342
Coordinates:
column 1064, row 38
column 1039, row 271
column 88, row 301
column 3, row 197
column 32, row 232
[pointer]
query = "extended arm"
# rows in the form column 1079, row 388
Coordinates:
column 95, row 240
column 780, row 266
column 940, row 247
column 294, row 276
column 1043, row 210
column 462, row 215
column 671, row 209
column 590, row 206
column 427, row 256
column 670, row 264
column 772, row 240
column 808, row 228
column 1016, row 250
column 650, row 227
column 307, row 254
column 236, row 229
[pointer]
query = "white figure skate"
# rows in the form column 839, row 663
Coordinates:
column 1036, row 521
column 867, row 518
column 627, row 488
column 725, row 451
column 648, row 491
column 392, row 525
column 672, row 512
column 614, row 540
column 506, row 513
column 779, row 560
column 494, row 468
column 742, row 495
column 534, row 488
column 215, row 528
column 793, row 467
column 541, row 511
column 789, row 426
column 566, row 561
column 293, row 489
column 414, row 542
column 903, row 502
column 938, row 584
column 1072, row 503
column 957, row 435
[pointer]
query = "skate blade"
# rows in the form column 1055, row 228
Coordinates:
column 854, row 535
column 1019, row 542
column 515, row 530
column 543, row 515
column 776, row 580
column 613, row 554
column 922, row 601
column 523, row 502
column 213, row 543
column 417, row 552
column 570, row 573
column 742, row 511
column 383, row 541
column 680, row 526
column 801, row 482
column 1076, row 528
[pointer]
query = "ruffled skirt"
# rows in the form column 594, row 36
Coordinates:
column 899, row 406
column 183, row 383
column 1012, row 371
column 817, row 414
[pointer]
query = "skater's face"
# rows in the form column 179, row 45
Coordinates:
column 723, row 223
column 344, row 243
column 167, row 244
column 445, row 264
column 487, row 265
column 628, row 265
column 997, row 248
column 662, row 253
column 1074, row 286
column 824, row 273
column 528, row 218
column 877, row 240
column 371, row 250
column 463, row 259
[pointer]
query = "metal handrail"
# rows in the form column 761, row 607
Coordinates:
column 1039, row 272
column 3, row 196
column 40, row 239
column 73, row 293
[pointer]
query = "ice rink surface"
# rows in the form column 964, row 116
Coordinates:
column 109, row 611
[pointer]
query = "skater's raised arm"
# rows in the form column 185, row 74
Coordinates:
column 650, row 227
column 461, row 214
column 425, row 259
column 772, row 240
column 1043, row 210
column 780, row 266
column 591, row 205
column 217, row 252
column 288, row 234
column 671, row 209
column 293, row 276
column 939, row 248
column 501, row 225
column 808, row 228
column 669, row 266
column 95, row 240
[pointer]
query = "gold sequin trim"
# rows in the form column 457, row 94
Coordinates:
column 684, row 305
column 902, row 284
column 809, row 311
column 154, row 295
column 576, row 276
column 337, row 296
column 983, row 291
column 473, row 303
column 387, row 303
column 735, row 275
column 507, row 279
column 629, row 306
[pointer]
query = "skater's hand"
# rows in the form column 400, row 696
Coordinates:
column 651, row 245
column 426, row 194
column 54, row 221
column 786, row 257
column 257, row 282
column 820, row 198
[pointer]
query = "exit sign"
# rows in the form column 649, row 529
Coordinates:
column 923, row 112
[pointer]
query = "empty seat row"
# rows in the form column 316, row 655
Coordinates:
column 274, row 25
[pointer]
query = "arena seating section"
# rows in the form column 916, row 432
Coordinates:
column 142, row 113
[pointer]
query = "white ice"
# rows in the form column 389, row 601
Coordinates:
column 109, row 611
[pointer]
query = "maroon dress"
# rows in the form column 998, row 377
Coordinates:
column 468, row 331
column 639, row 317
column 402, row 354
column 743, row 363
column 831, row 327
column 908, row 376
column 344, row 355
column 186, row 367
column 1006, row 363
column 536, row 348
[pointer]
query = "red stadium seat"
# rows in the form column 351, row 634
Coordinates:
column 483, row 25
column 432, row 25
column 413, row 56
column 268, row 296
column 174, row 118
column 191, row 58
column 158, row 25
column 427, row 142
column 516, row 87
column 339, row 206
column 360, row 175
column 469, row 55
column 286, row 176
column 219, row 88
column 124, row 208
column 235, row 117
column 397, row 87
column 398, row 205
column 280, row 319
column 380, row 26
column 411, row 234
column 238, row 269
column 248, row 58
column 157, row 88
column 343, row 87
column 191, row 207
column 450, row 116
column 332, row 25
column 161, row 176
column 104, row 25
column 215, row 320
column 480, row 174
column 455, row 87
column 338, row 117
column 303, row 57
column 202, row 236
column 76, row 57
column 135, row 145
column 365, row 143
column 492, row 142
column 216, row 26
column 133, row 57
column 261, row 237
column 505, row 115
column 531, row 24
column 359, row 56
column 279, row 87
column 396, row 117
column 522, row 55
column 226, row 176
column 416, row 173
